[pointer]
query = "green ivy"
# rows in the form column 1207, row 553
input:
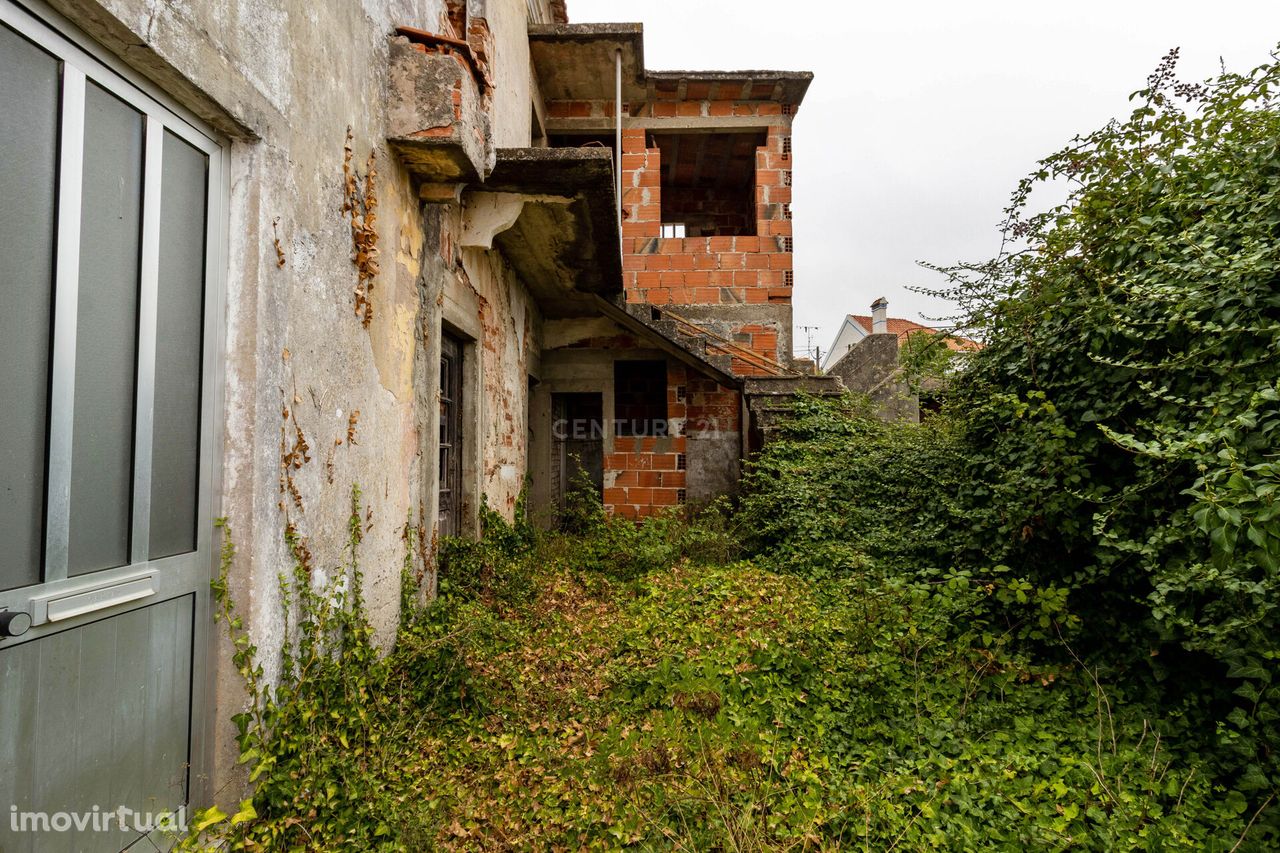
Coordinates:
column 1119, row 427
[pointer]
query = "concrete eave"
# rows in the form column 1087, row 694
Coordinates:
column 785, row 87
column 563, row 241
column 575, row 62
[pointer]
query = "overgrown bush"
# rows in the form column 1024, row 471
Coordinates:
column 699, row 705
column 1120, row 424
column 623, row 549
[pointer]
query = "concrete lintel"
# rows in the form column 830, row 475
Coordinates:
column 788, row 386
column 670, row 124
column 441, row 193
column 789, row 87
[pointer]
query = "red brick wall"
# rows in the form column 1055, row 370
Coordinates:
column 708, row 270
column 647, row 472
column 643, row 475
column 702, row 271
column 705, row 270
column 712, row 407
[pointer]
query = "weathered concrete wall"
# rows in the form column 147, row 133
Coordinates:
column 283, row 80
column 715, row 440
column 769, row 398
column 512, row 111
column 871, row 367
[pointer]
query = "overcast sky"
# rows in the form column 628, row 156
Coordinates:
column 923, row 115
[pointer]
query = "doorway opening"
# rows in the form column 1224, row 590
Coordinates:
column 449, row 516
column 577, row 434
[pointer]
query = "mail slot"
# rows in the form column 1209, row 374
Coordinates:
column 77, row 602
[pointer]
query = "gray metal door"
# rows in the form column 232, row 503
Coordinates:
column 108, row 296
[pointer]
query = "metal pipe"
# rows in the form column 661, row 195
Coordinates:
column 617, row 110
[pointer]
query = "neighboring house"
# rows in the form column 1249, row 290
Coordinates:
column 268, row 251
column 856, row 327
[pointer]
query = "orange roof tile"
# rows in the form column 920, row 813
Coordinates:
column 905, row 328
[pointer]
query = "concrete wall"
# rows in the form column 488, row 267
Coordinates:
column 871, row 367
column 283, row 80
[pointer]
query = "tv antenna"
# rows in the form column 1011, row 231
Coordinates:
column 809, row 348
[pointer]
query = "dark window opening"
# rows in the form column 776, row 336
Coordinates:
column 709, row 182
column 640, row 398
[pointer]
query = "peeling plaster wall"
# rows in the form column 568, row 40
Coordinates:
column 510, row 337
column 283, row 80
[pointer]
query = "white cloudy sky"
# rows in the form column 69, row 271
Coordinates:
column 925, row 113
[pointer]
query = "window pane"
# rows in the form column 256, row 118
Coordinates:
column 29, row 128
column 640, row 398
column 175, row 450
column 106, row 335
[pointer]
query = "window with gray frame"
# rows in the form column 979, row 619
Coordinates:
column 104, row 264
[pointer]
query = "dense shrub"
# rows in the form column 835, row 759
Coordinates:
column 547, row 700
column 1120, row 425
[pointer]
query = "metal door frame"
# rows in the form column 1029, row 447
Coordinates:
column 143, row 581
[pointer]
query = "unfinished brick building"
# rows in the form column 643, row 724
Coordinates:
column 705, row 181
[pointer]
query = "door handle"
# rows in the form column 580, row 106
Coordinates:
column 14, row 623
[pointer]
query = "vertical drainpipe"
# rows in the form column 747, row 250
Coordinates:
column 617, row 112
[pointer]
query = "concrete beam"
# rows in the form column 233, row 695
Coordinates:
column 682, row 124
